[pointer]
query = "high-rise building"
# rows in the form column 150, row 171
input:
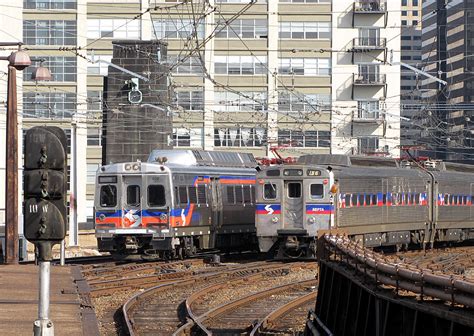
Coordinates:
column 411, row 108
column 365, row 86
column 307, row 76
column 448, row 43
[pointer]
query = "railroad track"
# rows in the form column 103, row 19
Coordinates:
column 238, row 317
column 163, row 309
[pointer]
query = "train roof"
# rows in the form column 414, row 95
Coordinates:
column 346, row 160
column 202, row 158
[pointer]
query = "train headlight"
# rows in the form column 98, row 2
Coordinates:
column 275, row 219
column 101, row 217
column 128, row 166
column 163, row 216
column 136, row 166
column 312, row 220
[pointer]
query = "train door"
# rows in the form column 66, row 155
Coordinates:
column 293, row 205
column 216, row 209
column 385, row 209
column 132, row 201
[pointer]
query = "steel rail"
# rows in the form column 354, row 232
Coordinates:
column 242, row 301
column 130, row 305
column 419, row 281
column 277, row 313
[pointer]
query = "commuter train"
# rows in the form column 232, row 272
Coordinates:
column 176, row 203
column 376, row 201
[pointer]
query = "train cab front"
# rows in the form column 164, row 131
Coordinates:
column 294, row 201
column 132, row 209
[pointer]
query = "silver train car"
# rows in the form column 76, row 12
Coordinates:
column 376, row 201
column 177, row 203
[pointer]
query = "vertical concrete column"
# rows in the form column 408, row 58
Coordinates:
column 145, row 21
column 208, row 85
column 81, row 114
column 272, row 87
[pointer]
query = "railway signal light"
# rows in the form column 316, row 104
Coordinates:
column 45, row 188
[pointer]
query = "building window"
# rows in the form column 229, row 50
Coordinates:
column 240, row 65
column 63, row 69
column 296, row 138
column 368, row 109
column 226, row 101
column 367, row 145
column 113, row 28
column 369, row 37
column 94, row 103
column 238, row 1
column 94, row 136
column 190, row 100
column 50, row 32
column 50, row 4
column 187, row 66
column 245, row 28
column 91, row 172
column 177, row 28
column 305, row 66
column 188, row 137
column 49, row 105
column 305, row 30
column 299, row 102
column 98, row 68
column 239, row 137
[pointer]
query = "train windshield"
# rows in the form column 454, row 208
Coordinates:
column 156, row 195
column 317, row 190
column 269, row 191
column 108, row 196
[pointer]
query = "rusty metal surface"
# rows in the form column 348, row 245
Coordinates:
column 19, row 301
column 363, row 293
column 11, row 173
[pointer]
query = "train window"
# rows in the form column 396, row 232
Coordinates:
column 455, row 200
column 230, row 195
column 156, row 195
column 451, row 199
column 446, row 199
column 269, row 191
column 252, row 193
column 368, row 199
column 384, row 199
column 354, row 200
column 374, row 199
column 238, row 194
column 347, row 199
column 247, row 197
column 361, row 199
column 201, row 192
column 405, row 198
column 464, row 200
column 183, row 195
column 108, row 196
column 294, row 190
column 417, row 198
column 133, row 195
column 317, row 190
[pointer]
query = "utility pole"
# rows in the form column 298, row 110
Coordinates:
column 17, row 60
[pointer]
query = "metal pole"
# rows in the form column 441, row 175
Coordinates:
column 43, row 326
column 11, row 172
column 73, row 226
column 63, row 252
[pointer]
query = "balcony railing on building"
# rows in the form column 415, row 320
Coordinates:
column 369, row 79
column 362, row 116
column 367, row 44
column 372, row 7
